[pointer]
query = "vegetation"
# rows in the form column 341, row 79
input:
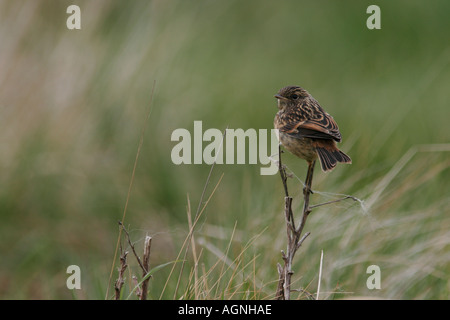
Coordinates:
column 74, row 104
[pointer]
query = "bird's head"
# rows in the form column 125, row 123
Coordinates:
column 290, row 96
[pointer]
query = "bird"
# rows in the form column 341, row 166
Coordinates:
column 306, row 130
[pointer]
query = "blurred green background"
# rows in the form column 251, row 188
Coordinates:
column 73, row 104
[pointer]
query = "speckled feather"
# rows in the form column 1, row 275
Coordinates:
column 306, row 129
column 306, row 117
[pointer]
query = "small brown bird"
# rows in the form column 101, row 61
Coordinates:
column 307, row 131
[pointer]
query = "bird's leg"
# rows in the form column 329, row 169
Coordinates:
column 309, row 175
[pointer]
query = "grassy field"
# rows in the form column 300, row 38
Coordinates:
column 74, row 104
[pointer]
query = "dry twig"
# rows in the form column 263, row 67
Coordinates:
column 120, row 280
column 294, row 232
column 146, row 263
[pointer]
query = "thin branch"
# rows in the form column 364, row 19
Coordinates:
column 334, row 201
column 120, row 280
column 132, row 247
column 288, row 200
column 294, row 234
column 137, row 287
column 308, row 295
column 146, row 263
column 302, row 239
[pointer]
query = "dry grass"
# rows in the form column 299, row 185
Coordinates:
column 72, row 109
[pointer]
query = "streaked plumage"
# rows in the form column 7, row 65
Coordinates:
column 306, row 130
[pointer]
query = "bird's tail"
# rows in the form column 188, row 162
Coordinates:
column 330, row 156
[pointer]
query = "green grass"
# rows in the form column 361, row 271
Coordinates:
column 73, row 105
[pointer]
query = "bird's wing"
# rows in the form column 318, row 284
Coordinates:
column 312, row 122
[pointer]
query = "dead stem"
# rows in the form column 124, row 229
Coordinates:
column 294, row 234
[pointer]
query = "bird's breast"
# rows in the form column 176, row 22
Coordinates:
column 302, row 147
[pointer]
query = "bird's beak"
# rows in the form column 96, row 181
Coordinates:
column 277, row 96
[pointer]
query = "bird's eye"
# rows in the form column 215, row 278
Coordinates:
column 294, row 96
